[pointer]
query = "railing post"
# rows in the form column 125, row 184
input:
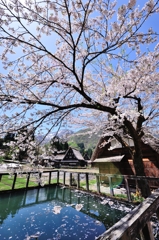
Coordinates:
column 58, row 174
column 64, row 178
column 63, row 194
column 28, row 177
column 98, row 183
column 39, row 179
column 14, row 181
column 87, row 182
column 24, row 199
column 127, row 189
column 111, row 186
column 78, row 180
column 50, row 177
column 70, row 182
column 0, row 177
column 148, row 232
column 37, row 195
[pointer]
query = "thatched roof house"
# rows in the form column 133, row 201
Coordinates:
column 73, row 158
column 114, row 158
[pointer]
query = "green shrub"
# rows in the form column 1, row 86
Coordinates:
column 1, row 159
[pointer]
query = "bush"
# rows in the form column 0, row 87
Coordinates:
column 1, row 159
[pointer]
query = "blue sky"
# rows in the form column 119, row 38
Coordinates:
column 153, row 22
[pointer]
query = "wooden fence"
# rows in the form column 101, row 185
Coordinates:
column 137, row 222
column 38, row 174
column 74, row 180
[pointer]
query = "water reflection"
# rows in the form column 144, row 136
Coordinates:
column 34, row 212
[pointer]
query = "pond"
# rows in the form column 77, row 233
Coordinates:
column 56, row 213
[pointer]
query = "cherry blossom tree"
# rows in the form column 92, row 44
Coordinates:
column 92, row 63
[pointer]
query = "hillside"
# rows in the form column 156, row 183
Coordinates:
column 83, row 141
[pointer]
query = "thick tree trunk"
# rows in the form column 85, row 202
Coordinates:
column 136, row 153
column 139, row 170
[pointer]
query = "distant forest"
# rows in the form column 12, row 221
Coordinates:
column 83, row 141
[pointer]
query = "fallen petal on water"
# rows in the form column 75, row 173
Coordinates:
column 57, row 209
column 79, row 207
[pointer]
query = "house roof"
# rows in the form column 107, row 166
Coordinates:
column 103, row 151
column 59, row 157
column 153, row 142
column 109, row 159
column 77, row 154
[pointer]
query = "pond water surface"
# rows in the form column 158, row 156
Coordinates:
column 56, row 213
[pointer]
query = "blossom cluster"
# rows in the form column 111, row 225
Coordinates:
column 90, row 63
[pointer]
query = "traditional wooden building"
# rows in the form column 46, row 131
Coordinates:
column 58, row 157
column 73, row 158
column 115, row 159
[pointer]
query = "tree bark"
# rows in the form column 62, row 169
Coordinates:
column 136, row 153
column 139, row 171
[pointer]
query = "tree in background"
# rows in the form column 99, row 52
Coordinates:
column 92, row 63
column 88, row 152
column 9, row 137
column 21, row 145
column 58, row 144
column 81, row 147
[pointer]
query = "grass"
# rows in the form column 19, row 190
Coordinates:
column 133, row 198
column 7, row 181
column 91, row 182
column 52, row 181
